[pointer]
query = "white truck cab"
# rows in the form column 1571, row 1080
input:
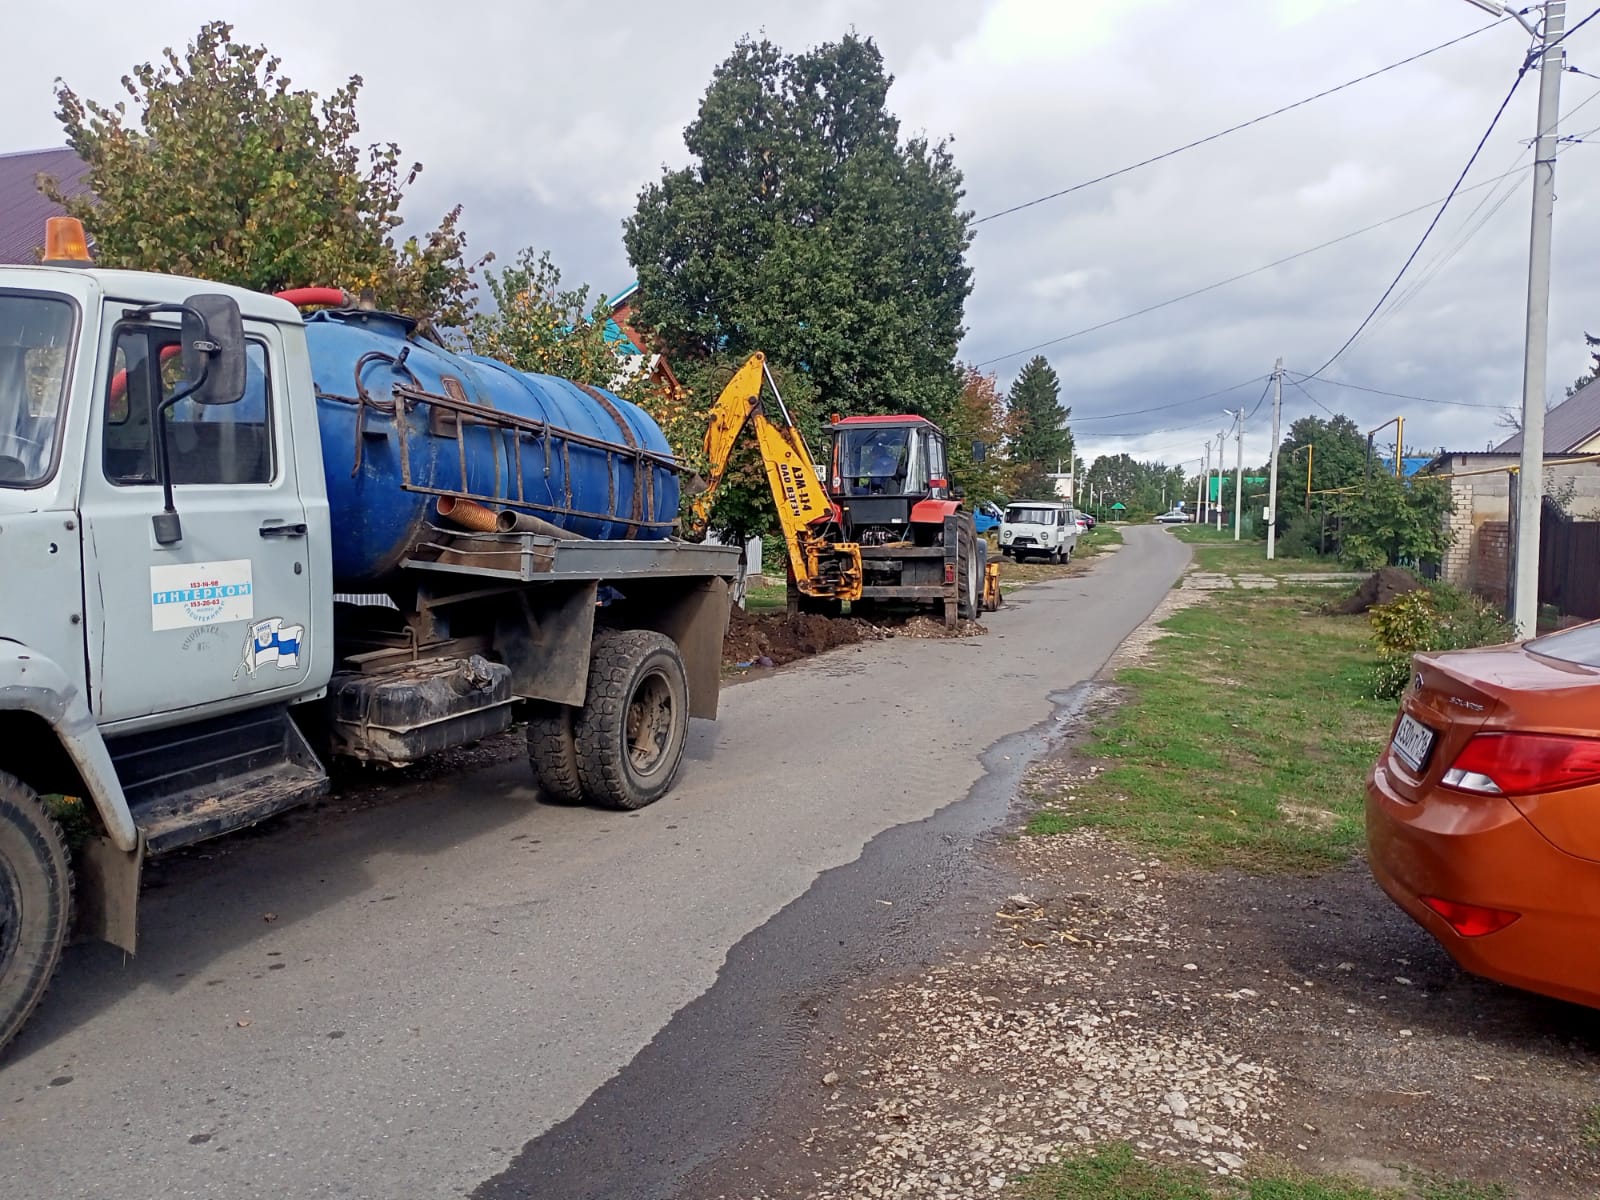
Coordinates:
column 1039, row 529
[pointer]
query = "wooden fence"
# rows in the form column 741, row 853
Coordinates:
column 1569, row 563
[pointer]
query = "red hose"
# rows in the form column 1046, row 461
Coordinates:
column 301, row 297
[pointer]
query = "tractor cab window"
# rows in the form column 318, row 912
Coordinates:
column 882, row 462
column 35, row 343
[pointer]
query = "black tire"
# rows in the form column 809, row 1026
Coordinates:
column 969, row 581
column 35, row 902
column 553, row 754
column 635, row 719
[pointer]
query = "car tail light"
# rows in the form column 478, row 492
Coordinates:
column 1517, row 764
column 1470, row 920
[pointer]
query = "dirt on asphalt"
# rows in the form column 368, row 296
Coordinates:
column 1217, row 1018
column 1213, row 1018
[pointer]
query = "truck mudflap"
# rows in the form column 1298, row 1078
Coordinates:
column 32, row 683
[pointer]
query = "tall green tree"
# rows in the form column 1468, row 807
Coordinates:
column 1337, row 453
column 979, row 416
column 808, row 229
column 222, row 170
column 1040, row 442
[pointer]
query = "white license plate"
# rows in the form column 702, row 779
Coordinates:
column 1412, row 742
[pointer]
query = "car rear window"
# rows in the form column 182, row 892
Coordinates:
column 1580, row 645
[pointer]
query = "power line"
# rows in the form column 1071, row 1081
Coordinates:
column 1211, row 287
column 1139, row 412
column 1515, row 171
column 1163, row 407
column 1432, row 225
column 1078, row 187
column 1338, row 383
column 1295, row 383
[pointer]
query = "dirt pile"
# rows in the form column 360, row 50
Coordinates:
column 780, row 638
column 1378, row 589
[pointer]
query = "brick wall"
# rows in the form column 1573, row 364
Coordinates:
column 1457, row 565
column 1492, row 554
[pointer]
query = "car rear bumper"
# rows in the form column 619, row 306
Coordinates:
column 1480, row 850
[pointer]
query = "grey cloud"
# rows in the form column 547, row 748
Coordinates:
column 544, row 120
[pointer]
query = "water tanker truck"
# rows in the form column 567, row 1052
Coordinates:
column 237, row 543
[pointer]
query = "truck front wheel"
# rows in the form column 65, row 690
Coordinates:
column 35, row 902
column 635, row 719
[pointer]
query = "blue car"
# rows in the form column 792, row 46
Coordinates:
column 987, row 516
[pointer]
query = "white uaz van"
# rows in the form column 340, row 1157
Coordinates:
column 1039, row 528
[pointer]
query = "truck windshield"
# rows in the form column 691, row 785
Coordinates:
column 1018, row 514
column 875, row 460
column 35, row 341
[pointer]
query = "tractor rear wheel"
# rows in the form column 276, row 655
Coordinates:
column 35, row 902
column 634, row 722
column 969, row 584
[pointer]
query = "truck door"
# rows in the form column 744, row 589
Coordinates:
column 222, row 617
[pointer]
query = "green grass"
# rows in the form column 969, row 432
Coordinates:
column 1218, row 552
column 1116, row 1173
column 766, row 597
column 1589, row 1131
column 1244, row 742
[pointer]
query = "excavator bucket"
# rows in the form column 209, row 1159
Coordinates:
column 991, row 588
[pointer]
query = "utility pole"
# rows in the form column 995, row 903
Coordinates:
column 1238, row 474
column 1222, row 473
column 1272, row 482
column 1530, row 477
column 1530, row 480
column 1200, row 488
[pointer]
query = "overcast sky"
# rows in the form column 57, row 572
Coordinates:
column 545, row 119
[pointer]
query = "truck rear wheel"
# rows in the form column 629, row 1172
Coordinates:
column 553, row 754
column 635, row 719
column 35, row 902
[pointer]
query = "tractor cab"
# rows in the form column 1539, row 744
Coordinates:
column 882, row 467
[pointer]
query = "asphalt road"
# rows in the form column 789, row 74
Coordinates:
column 427, row 995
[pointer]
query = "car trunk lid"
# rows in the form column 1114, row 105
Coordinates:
column 1457, row 694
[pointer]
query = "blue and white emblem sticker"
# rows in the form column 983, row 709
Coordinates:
column 272, row 643
column 183, row 595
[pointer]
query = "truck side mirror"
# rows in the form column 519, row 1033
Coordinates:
column 213, row 349
column 980, row 451
column 211, row 337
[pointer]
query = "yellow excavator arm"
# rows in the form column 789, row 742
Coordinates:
column 821, row 567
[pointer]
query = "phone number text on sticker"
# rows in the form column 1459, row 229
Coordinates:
column 183, row 595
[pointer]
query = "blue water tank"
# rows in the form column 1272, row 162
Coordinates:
column 584, row 459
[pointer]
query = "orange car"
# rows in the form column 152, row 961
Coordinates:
column 1483, row 814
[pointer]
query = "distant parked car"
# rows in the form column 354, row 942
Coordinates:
column 1174, row 516
column 1083, row 521
column 1483, row 812
column 987, row 516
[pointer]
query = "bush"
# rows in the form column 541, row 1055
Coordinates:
column 1301, row 540
column 1438, row 617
